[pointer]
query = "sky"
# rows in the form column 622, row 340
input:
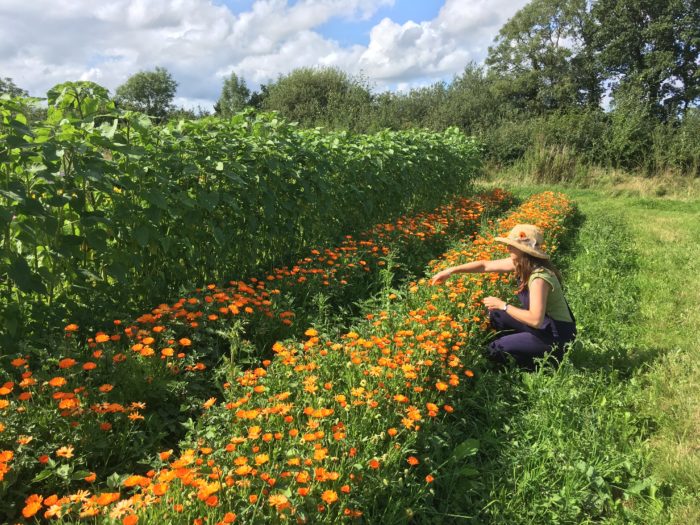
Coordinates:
column 394, row 44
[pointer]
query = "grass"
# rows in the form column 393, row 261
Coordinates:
column 611, row 436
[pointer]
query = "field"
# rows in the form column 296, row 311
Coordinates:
column 330, row 381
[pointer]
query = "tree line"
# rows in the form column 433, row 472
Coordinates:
column 566, row 84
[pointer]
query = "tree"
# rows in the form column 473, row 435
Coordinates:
column 150, row 92
column 473, row 101
column 7, row 86
column 542, row 57
column 321, row 97
column 235, row 95
column 653, row 45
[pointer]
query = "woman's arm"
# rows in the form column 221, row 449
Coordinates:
column 498, row 266
column 539, row 291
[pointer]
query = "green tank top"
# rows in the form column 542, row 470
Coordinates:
column 556, row 304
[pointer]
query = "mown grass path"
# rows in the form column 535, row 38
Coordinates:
column 613, row 436
column 665, row 235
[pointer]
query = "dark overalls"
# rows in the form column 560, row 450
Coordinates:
column 525, row 343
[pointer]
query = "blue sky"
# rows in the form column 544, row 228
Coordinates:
column 394, row 44
column 349, row 32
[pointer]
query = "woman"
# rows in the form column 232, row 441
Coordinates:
column 544, row 321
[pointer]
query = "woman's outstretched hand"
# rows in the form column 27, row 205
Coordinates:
column 441, row 277
column 494, row 303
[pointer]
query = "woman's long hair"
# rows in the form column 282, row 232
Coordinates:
column 526, row 264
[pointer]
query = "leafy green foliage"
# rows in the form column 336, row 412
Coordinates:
column 320, row 97
column 7, row 86
column 535, row 57
column 234, row 96
column 94, row 197
column 150, row 92
column 652, row 44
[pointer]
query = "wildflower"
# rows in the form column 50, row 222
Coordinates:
column 67, row 362
column 279, row 502
column 329, row 496
column 33, row 505
column 65, row 452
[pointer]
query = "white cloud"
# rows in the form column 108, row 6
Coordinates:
column 45, row 42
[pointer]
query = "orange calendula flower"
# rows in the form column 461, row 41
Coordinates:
column 185, row 342
column 67, row 362
column 329, row 496
column 374, row 464
column 33, row 505
column 71, row 327
column 279, row 502
column 57, row 382
column 209, row 403
column 101, row 338
column 413, row 461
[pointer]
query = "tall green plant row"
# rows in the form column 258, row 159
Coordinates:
column 102, row 209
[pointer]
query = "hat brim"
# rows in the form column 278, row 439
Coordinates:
column 523, row 247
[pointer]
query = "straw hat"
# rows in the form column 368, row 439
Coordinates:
column 526, row 238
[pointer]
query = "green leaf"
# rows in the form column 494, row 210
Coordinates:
column 156, row 199
column 64, row 471
column 114, row 481
column 41, row 476
column 467, row 448
column 24, row 278
column 468, row 472
column 141, row 234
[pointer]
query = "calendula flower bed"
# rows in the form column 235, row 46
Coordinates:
column 326, row 429
column 129, row 389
